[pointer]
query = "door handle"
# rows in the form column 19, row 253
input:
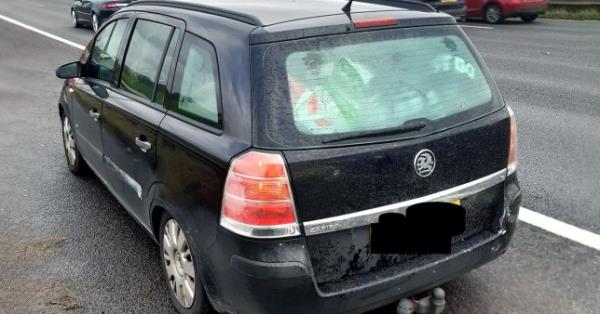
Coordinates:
column 94, row 114
column 144, row 146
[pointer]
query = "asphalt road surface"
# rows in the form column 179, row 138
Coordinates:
column 66, row 245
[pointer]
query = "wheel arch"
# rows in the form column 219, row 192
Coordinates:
column 61, row 110
column 156, row 214
column 490, row 3
column 159, row 206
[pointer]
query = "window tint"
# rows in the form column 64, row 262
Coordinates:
column 307, row 92
column 142, row 62
column 382, row 84
column 106, row 48
column 196, row 84
column 163, row 78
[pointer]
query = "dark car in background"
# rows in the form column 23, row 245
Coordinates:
column 456, row 8
column 294, row 157
column 94, row 12
column 495, row 11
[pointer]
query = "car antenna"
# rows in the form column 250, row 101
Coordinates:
column 346, row 9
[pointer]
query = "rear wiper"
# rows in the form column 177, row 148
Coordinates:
column 408, row 126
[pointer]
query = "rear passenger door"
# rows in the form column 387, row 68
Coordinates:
column 131, row 119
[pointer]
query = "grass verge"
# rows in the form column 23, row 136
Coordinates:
column 573, row 12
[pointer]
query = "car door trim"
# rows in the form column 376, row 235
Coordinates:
column 370, row 216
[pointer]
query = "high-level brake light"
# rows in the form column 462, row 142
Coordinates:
column 375, row 22
column 113, row 5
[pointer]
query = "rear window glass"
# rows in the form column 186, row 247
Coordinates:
column 359, row 83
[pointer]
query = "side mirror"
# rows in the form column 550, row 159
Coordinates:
column 69, row 70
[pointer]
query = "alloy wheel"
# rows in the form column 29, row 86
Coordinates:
column 179, row 264
column 74, row 18
column 69, row 141
column 95, row 25
column 493, row 14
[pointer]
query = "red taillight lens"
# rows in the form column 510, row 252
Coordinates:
column 257, row 194
column 113, row 5
column 512, row 151
column 381, row 21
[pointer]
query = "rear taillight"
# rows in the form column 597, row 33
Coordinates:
column 512, row 149
column 113, row 5
column 257, row 198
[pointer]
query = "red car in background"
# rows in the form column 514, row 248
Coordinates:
column 494, row 11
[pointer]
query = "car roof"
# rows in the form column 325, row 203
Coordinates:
column 280, row 20
column 270, row 12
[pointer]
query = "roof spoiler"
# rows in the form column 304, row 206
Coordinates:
column 406, row 4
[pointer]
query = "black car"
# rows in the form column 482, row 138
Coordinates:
column 456, row 8
column 296, row 156
column 94, row 12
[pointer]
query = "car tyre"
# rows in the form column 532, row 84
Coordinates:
column 493, row 14
column 180, row 264
column 75, row 162
column 95, row 22
column 529, row 18
column 75, row 19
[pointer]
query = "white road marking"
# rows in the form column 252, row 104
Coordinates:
column 41, row 32
column 551, row 225
column 560, row 228
column 475, row 26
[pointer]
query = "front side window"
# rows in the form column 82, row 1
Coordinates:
column 196, row 84
column 311, row 91
column 143, row 59
column 106, row 49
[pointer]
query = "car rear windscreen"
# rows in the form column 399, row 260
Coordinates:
column 308, row 92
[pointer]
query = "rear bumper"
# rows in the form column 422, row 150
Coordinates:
column 104, row 14
column 457, row 10
column 288, row 287
column 260, row 276
column 457, row 13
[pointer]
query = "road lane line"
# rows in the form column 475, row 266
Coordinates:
column 475, row 26
column 560, row 228
column 41, row 32
column 551, row 225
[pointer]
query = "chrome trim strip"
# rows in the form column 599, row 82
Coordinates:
column 267, row 232
column 369, row 216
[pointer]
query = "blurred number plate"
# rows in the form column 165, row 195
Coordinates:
column 448, row 1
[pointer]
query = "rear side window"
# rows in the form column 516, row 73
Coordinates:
column 147, row 46
column 106, row 49
column 314, row 90
column 196, row 87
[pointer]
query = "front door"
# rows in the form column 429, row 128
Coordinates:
column 89, row 93
column 132, row 117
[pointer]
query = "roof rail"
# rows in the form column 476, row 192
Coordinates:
column 238, row 16
column 407, row 4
